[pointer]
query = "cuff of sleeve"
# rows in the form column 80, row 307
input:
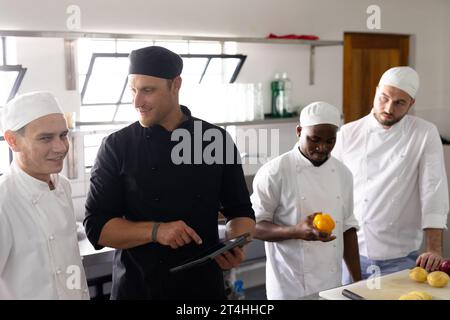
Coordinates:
column 94, row 228
column 238, row 212
column 438, row 221
column 349, row 226
column 263, row 216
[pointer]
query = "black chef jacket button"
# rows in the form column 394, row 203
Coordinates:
column 153, row 168
column 156, row 199
column 198, row 196
column 147, row 136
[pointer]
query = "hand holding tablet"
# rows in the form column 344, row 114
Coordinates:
column 214, row 251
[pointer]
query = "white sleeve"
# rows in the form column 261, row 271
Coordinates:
column 5, row 293
column 350, row 220
column 433, row 184
column 6, row 241
column 266, row 194
column 337, row 150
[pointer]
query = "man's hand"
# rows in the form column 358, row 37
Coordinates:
column 429, row 261
column 176, row 234
column 230, row 259
column 305, row 230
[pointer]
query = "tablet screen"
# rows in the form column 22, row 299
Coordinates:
column 214, row 251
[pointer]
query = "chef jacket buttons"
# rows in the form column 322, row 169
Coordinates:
column 303, row 198
column 156, row 199
column 51, row 238
column 338, row 197
column 34, row 201
column 153, row 168
column 58, row 271
column 198, row 196
column 365, row 200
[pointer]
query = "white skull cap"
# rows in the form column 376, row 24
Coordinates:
column 28, row 107
column 320, row 112
column 403, row 78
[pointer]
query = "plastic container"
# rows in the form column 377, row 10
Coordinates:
column 258, row 102
column 239, row 293
column 287, row 86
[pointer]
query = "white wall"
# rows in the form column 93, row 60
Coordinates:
column 44, row 60
column 446, row 61
column 328, row 19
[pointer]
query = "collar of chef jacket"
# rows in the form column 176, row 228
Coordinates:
column 302, row 161
column 156, row 129
column 376, row 127
column 33, row 187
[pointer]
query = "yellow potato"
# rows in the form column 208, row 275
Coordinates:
column 418, row 274
column 422, row 294
column 438, row 279
column 410, row 296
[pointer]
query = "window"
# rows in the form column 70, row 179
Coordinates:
column 2, row 55
column 5, row 158
column 10, row 79
column 103, row 66
column 103, row 70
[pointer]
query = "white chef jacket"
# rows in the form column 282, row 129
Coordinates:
column 5, row 294
column 39, row 255
column 400, row 184
column 285, row 191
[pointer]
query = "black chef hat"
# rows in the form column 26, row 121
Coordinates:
column 156, row 62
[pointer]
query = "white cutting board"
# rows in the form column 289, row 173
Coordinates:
column 392, row 286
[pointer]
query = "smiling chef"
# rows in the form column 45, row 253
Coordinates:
column 39, row 255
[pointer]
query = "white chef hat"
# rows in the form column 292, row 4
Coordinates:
column 403, row 78
column 320, row 112
column 28, row 107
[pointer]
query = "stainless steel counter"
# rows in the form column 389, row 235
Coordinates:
column 92, row 257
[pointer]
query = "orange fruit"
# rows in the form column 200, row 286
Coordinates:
column 324, row 223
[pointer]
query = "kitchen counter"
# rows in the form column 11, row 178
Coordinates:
column 92, row 257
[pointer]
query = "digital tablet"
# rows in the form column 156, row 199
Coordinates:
column 213, row 252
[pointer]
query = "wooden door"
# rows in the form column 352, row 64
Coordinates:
column 366, row 57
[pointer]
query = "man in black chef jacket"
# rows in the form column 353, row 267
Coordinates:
column 157, row 211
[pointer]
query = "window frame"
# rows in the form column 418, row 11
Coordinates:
column 242, row 58
column 11, row 68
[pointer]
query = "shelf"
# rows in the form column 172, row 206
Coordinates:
column 72, row 35
column 104, row 35
column 258, row 122
column 87, row 131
